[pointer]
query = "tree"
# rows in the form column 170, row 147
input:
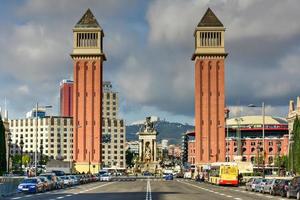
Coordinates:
column 129, row 158
column 26, row 160
column 295, row 158
column 16, row 162
column 3, row 162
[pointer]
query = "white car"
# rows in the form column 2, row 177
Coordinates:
column 105, row 177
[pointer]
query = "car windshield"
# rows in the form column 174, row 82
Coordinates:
column 30, row 180
column 257, row 181
column 49, row 177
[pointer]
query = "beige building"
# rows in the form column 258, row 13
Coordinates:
column 54, row 134
column 110, row 101
column 113, row 143
column 113, row 130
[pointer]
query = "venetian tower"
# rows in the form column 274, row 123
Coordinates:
column 209, row 57
column 88, row 60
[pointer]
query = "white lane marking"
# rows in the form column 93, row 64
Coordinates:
column 148, row 192
column 59, row 197
column 28, row 195
column 16, row 198
column 212, row 191
column 69, row 195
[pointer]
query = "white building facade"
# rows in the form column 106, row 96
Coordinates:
column 53, row 133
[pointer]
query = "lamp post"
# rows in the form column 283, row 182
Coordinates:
column 278, row 155
column 21, row 146
column 36, row 133
column 41, row 152
column 9, row 146
column 263, row 131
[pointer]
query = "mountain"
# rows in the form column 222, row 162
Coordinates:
column 171, row 131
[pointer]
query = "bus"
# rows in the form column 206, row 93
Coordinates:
column 224, row 174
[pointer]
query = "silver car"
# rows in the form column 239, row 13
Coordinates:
column 269, row 186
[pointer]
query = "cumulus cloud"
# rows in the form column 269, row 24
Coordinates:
column 148, row 45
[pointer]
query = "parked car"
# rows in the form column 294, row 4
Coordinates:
column 105, row 177
column 293, row 189
column 74, row 179
column 260, row 186
column 249, row 184
column 31, row 185
column 281, row 188
column 58, row 172
column 269, row 186
column 67, row 181
column 179, row 175
column 46, row 182
column 52, row 178
column 60, row 183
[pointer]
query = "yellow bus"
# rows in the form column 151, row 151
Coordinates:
column 223, row 174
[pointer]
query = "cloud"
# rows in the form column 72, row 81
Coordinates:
column 148, row 45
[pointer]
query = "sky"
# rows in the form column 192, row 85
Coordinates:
column 148, row 45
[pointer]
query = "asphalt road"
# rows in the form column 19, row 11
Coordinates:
column 147, row 190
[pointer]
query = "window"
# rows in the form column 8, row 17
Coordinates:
column 252, row 143
column 270, row 143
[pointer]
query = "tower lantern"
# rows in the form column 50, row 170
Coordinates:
column 209, row 56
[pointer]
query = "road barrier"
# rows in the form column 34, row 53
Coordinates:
column 8, row 185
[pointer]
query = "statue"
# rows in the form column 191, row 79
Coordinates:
column 148, row 126
column 147, row 152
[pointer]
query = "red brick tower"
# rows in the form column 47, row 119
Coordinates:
column 66, row 98
column 88, row 59
column 209, row 59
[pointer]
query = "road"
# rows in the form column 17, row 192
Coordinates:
column 147, row 189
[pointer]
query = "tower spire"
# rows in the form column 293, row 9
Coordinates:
column 209, row 19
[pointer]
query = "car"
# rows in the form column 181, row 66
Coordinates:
column 248, row 186
column 75, row 180
column 255, row 183
column 46, row 182
column 105, row 177
column 179, row 175
column 52, row 178
column 67, row 181
column 259, row 187
column 268, row 186
column 31, row 185
column 169, row 177
column 60, row 183
column 293, row 190
column 58, row 172
column 281, row 188
column 146, row 173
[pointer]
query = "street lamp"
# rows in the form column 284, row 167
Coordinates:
column 9, row 146
column 21, row 146
column 41, row 152
column 263, row 130
column 36, row 133
column 278, row 155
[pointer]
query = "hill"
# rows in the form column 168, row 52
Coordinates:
column 167, row 130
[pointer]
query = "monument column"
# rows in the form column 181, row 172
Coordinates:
column 209, row 59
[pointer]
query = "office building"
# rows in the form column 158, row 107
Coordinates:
column 66, row 98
